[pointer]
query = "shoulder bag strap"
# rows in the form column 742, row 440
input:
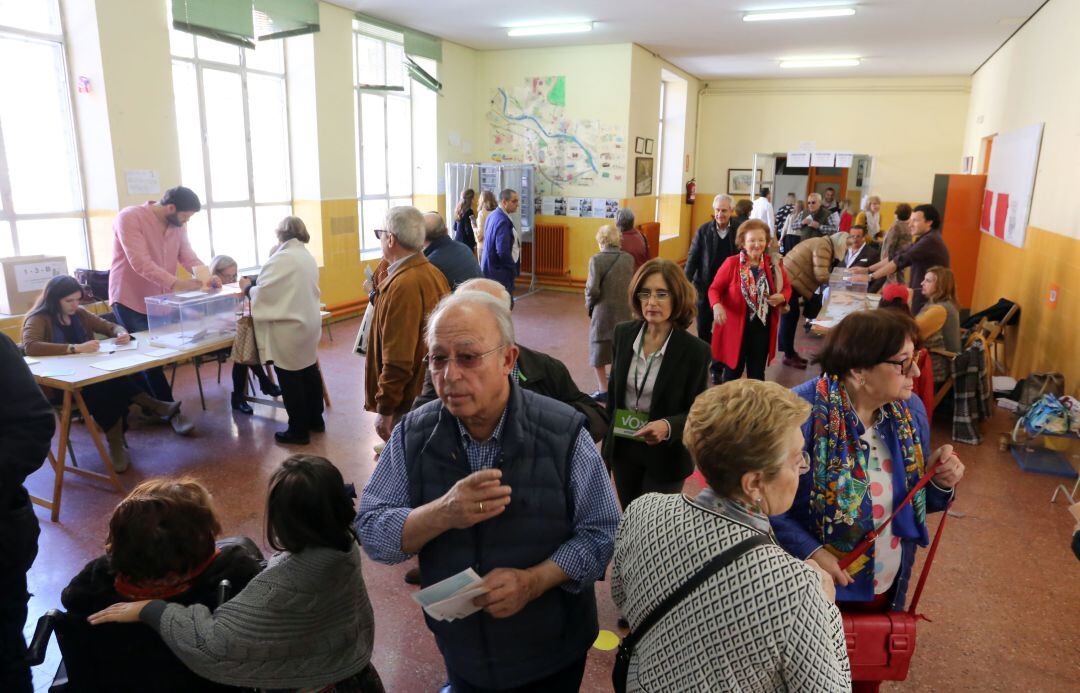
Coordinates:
column 708, row 570
column 864, row 545
column 929, row 561
column 600, row 283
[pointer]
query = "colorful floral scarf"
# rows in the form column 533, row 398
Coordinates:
column 839, row 500
column 755, row 291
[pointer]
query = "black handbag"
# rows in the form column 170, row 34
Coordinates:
column 626, row 647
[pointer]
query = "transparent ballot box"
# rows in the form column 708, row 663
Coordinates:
column 847, row 294
column 186, row 319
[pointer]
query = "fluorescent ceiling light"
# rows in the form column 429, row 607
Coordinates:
column 819, row 62
column 801, row 13
column 545, row 29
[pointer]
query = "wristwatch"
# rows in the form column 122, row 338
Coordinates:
column 71, row 348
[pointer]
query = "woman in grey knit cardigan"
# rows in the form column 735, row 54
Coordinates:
column 305, row 621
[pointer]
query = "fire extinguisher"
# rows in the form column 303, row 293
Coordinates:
column 691, row 191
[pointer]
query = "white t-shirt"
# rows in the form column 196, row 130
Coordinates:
column 887, row 545
column 763, row 210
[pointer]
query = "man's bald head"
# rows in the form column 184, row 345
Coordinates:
column 487, row 286
column 434, row 227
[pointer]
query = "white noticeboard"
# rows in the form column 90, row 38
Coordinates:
column 34, row 276
column 142, row 182
column 1010, row 184
column 844, row 159
column 824, row 159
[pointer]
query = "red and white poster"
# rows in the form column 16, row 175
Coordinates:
column 1010, row 183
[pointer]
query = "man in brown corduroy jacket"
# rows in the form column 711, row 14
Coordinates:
column 408, row 294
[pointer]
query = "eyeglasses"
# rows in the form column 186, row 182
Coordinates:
column 905, row 366
column 379, row 233
column 438, row 362
column 804, row 462
column 644, row 295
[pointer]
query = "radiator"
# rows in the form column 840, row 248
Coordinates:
column 552, row 251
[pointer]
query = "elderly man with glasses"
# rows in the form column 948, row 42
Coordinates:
column 394, row 371
column 811, row 223
column 506, row 482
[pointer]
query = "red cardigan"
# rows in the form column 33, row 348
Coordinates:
column 727, row 338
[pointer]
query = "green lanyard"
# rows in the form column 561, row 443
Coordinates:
column 648, row 368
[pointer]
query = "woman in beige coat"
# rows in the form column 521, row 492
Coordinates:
column 610, row 272
column 285, row 309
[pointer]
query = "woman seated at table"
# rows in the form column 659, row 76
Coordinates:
column 224, row 268
column 58, row 325
column 161, row 545
column 869, row 443
column 764, row 623
column 303, row 623
column 939, row 320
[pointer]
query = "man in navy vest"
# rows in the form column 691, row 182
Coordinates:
column 506, row 482
column 502, row 247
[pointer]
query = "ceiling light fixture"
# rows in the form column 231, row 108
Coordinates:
column 819, row 62
column 800, row 13
column 546, row 29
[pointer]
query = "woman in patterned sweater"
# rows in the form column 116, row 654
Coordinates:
column 766, row 622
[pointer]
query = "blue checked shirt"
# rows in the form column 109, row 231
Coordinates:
column 384, row 505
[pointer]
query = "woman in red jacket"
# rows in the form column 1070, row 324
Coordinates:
column 746, row 296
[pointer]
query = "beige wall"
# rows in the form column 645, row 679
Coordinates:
column 1030, row 80
column 1033, row 79
column 913, row 127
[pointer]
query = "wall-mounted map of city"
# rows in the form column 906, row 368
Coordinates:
column 529, row 125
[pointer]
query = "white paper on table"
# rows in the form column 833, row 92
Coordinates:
column 30, row 361
column 160, row 352
column 190, row 294
column 54, row 372
column 110, row 345
column 121, row 363
column 823, row 323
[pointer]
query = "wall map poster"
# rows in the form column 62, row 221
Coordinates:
column 529, row 125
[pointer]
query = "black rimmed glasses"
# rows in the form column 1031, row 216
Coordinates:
column 438, row 362
column 905, row 366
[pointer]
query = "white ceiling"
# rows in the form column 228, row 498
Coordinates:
column 708, row 38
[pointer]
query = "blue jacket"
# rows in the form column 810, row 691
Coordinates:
column 454, row 260
column 794, row 529
column 498, row 261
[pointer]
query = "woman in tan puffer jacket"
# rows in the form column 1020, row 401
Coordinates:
column 808, row 265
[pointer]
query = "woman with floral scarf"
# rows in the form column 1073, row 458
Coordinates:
column 747, row 296
column 869, row 443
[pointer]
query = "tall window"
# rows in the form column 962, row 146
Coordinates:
column 388, row 106
column 41, row 198
column 232, row 121
column 659, row 168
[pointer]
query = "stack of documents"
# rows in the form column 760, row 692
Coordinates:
column 453, row 597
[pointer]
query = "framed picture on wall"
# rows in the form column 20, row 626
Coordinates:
column 639, row 145
column 643, row 175
column 649, row 147
column 739, row 180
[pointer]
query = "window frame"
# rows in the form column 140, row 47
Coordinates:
column 9, row 217
column 384, row 37
column 241, row 69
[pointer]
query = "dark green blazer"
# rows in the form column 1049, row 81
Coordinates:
column 683, row 375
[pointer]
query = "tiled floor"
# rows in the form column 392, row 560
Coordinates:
column 1004, row 597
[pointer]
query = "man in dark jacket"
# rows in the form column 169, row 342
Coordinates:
column 502, row 247
column 713, row 243
column 811, row 223
column 538, row 372
column 453, row 258
column 26, row 430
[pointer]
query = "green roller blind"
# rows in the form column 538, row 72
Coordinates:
column 420, row 75
column 244, row 22
column 223, row 20
column 416, row 42
column 280, row 18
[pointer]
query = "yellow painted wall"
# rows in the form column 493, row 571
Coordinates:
column 1025, row 83
column 913, row 127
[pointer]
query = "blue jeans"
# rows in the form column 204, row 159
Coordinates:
column 154, row 380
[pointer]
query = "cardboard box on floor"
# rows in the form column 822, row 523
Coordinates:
column 23, row 279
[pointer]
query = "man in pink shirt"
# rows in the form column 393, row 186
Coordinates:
column 150, row 241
